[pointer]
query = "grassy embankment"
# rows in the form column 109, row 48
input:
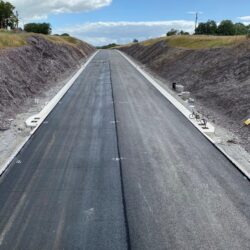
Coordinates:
column 196, row 42
column 9, row 39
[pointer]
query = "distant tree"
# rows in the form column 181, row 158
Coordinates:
column 201, row 29
column 8, row 19
column 241, row 29
column 226, row 28
column 208, row 28
column 211, row 27
column 42, row 28
column 172, row 32
column 135, row 41
column 65, row 34
column 183, row 33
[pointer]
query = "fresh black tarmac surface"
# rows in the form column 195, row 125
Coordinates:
column 66, row 190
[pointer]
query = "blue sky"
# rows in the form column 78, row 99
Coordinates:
column 105, row 21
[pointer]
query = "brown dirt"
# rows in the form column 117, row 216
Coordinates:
column 28, row 71
column 218, row 79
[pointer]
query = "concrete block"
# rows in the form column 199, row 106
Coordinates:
column 191, row 101
column 179, row 88
column 185, row 95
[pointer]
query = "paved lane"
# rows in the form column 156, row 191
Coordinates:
column 66, row 193
column 180, row 192
column 65, row 189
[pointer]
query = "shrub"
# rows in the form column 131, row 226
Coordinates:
column 172, row 32
column 65, row 34
column 42, row 28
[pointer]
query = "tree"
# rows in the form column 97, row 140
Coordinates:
column 7, row 17
column 183, row 33
column 226, row 28
column 42, row 28
column 201, row 29
column 135, row 41
column 172, row 32
column 211, row 27
column 208, row 28
column 241, row 29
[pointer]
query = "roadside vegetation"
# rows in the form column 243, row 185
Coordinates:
column 11, row 39
column 195, row 42
column 204, row 42
column 63, row 39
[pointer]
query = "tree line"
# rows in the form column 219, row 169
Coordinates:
column 41, row 28
column 174, row 32
column 225, row 28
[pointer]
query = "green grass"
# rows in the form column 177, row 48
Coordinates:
column 10, row 39
column 197, row 42
column 63, row 39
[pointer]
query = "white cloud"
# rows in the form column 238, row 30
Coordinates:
column 100, row 33
column 245, row 18
column 35, row 10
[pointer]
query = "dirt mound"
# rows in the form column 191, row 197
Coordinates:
column 27, row 71
column 218, row 78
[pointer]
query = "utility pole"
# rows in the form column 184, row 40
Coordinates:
column 196, row 14
column 196, row 20
column 17, row 19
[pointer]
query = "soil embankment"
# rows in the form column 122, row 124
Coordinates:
column 218, row 79
column 27, row 71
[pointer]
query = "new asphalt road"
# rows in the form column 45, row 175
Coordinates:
column 116, row 166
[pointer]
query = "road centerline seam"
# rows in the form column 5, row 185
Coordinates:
column 120, row 164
